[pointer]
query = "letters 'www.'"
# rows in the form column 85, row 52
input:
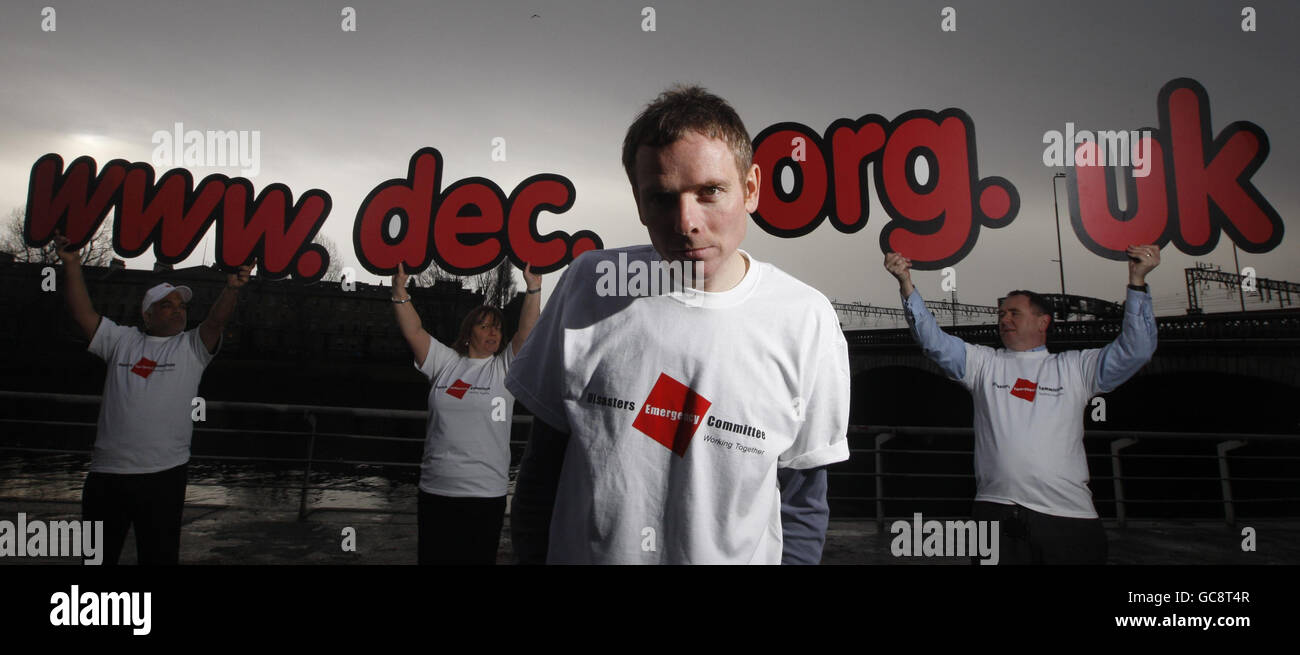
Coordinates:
column 172, row 215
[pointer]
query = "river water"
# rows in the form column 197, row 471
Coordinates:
column 59, row 478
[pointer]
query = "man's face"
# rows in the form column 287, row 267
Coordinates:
column 166, row 317
column 484, row 338
column 695, row 205
column 1021, row 326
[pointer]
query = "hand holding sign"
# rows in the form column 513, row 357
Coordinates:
column 1141, row 259
column 240, row 277
column 400, row 278
column 65, row 254
column 532, row 280
column 901, row 268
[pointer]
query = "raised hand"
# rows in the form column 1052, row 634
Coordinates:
column 1141, row 259
column 532, row 280
column 61, row 249
column 399, row 278
column 239, row 278
column 901, row 268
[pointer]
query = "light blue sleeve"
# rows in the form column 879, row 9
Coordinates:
column 942, row 348
column 1134, row 346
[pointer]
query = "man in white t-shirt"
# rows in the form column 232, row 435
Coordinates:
column 690, row 425
column 1030, row 467
column 142, row 440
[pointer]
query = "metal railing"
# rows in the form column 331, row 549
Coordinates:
column 1224, row 444
column 880, row 472
column 309, row 414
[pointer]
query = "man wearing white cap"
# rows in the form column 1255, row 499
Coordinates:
column 142, row 440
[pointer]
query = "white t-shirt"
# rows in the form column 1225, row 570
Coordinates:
column 144, row 416
column 1029, row 427
column 680, row 408
column 467, row 441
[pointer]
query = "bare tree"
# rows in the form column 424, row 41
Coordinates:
column 335, row 271
column 433, row 274
column 497, row 285
column 98, row 252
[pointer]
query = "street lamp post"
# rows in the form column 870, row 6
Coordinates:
column 1241, row 290
column 1056, row 204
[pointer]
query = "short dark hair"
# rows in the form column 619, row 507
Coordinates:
column 682, row 109
column 1036, row 300
column 474, row 317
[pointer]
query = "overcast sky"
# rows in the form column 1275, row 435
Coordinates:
column 560, row 81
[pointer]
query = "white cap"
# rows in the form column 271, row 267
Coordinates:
column 161, row 291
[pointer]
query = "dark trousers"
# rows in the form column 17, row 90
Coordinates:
column 152, row 502
column 1029, row 537
column 459, row 531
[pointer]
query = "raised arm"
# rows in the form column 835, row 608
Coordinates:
column 74, row 292
column 530, row 311
column 408, row 320
column 211, row 327
column 942, row 348
column 1136, row 342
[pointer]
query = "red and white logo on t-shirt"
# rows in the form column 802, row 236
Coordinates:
column 458, row 388
column 1024, row 389
column 671, row 414
column 144, row 367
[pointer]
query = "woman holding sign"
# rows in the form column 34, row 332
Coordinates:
column 465, row 469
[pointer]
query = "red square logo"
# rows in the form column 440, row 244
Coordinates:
column 458, row 388
column 671, row 414
column 1024, row 389
column 144, row 367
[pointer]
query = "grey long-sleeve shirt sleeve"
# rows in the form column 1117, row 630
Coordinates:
column 804, row 514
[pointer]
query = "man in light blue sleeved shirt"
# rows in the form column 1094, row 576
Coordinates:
column 1030, row 467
